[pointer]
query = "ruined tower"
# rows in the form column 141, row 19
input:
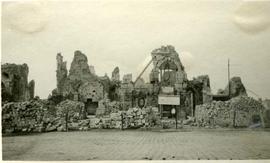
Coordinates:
column 14, row 82
column 115, row 74
column 61, row 73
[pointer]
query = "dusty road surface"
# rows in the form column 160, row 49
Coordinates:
column 138, row 145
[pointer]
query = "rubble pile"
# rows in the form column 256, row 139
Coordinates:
column 69, row 113
column 241, row 111
column 169, row 123
column 214, row 113
column 39, row 116
column 113, row 106
column 248, row 111
column 145, row 117
column 132, row 118
column 28, row 116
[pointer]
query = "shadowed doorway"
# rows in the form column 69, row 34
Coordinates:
column 91, row 107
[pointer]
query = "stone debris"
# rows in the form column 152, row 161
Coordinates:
column 238, row 112
column 37, row 116
column 28, row 116
column 69, row 112
column 132, row 118
column 145, row 117
column 83, row 100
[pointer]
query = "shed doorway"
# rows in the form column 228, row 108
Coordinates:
column 91, row 107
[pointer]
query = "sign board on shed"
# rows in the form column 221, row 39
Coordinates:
column 168, row 100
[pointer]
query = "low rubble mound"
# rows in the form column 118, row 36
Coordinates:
column 145, row 117
column 28, row 116
column 247, row 111
column 241, row 111
column 216, row 113
column 132, row 118
column 68, row 113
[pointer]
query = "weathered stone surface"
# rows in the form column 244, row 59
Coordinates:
column 127, row 78
column 241, row 111
column 28, row 116
column 167, row 58
column 132, row 118
column 206, row 91
column 237, row 88
column 14, row 83
column 92, row 70
column 31, row 87
column 106, row 82
column 79, row 69
column 91, row 90
column 61, row 73
column 80, row 80
column 116, row 74
column 72, row 109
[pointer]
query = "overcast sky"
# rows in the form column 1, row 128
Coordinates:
column 123, row 33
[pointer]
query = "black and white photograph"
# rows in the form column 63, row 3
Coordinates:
column 135, row 80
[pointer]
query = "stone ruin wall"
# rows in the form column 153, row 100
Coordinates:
column 80, row 83
column 160, row 56
column 14, row 83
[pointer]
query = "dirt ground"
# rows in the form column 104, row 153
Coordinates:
column 139, row 145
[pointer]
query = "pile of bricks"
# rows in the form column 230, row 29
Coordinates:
column 237, row 112
column 216, row 113
column 145, row 117
column 28, row 116
column 246, row 109
column 132, row 118
column 68, row 113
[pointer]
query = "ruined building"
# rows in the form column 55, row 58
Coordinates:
column 168, row 87
column 14, row 83
column 168, row 81
column 80, row 84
